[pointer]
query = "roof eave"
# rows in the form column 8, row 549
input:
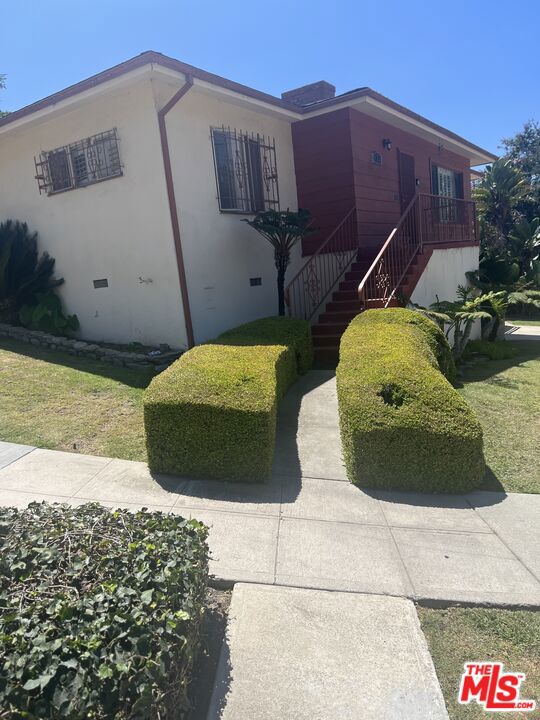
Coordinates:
column 476, row 154
column 145, row 61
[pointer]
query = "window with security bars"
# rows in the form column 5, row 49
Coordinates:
column 79, row 164
column 246, row 171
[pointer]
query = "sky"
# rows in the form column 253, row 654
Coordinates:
column 469, row 65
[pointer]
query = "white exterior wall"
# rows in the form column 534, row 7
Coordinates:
column 222, row 253
column 120, row 229
column 446, row 270
column 117, row 229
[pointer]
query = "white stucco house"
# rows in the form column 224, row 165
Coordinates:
column 137, row 179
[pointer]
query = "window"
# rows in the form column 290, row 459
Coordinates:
column 448, row 185
column 81, row 163
column 246, row 173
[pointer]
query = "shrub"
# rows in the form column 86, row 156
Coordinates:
column 496, row 350
column 291, row 332
column 213, row 412
column 402, row 424
column 101, row 612
column 433, row 334
column 47, row 315
column 23, row 273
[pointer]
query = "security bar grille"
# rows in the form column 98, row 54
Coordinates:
column 246, row 171
column 82, row 163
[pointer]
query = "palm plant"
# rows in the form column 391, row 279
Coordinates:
column 283, row 229
column 524, row 241
column 497, row 196
column 517, row 296
column 23, row 273
column 462, row 313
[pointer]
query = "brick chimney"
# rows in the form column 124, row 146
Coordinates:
column 308, row 94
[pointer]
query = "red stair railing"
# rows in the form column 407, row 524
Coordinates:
column 428, row 219
column 312, row 284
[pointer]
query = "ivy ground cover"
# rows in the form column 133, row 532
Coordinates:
column 100, row 612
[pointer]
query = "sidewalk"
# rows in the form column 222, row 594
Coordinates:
column 521, row 332
column 300, row 654
column 309, row 527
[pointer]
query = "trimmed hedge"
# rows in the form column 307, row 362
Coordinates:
column 433, row 334
column 101, row 612
column 293, row 333
column 403, row 425
column 212, row 413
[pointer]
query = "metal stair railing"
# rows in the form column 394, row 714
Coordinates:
column 307, row 291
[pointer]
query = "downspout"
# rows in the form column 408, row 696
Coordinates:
column 172, row 203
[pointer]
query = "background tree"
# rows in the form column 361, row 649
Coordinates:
column 282, row 229
column 2, row 86
column 523, row 150
column 498, row 196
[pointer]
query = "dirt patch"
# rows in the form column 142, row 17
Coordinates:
column 205, row 668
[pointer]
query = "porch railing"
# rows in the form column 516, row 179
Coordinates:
column 312, row 284
column 447, row 220
column 428, row 219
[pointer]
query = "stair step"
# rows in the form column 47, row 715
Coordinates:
column 326, row 340
column 374, row 303
column 344, row 305
column 355, row 275
column 349, row 285
column 406, row 288
column 337, row 318
column 360, row 266
column 345, row 295
column 330, row 328
column 327, row 356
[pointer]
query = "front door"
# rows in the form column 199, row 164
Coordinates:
column 407, row 179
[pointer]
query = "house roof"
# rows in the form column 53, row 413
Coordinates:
column 151, row 57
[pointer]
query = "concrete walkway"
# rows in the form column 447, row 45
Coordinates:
column 297, row 654
column 308, row 527
column 521, row 332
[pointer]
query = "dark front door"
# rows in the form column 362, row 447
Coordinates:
column 407, row 179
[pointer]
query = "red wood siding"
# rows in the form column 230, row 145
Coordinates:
column 334, row 171
column 324, row 171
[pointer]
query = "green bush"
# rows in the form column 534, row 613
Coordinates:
column 433, row 334
column 403, row 426
column 101, row 612
column 213, row 412
column 494, row 350
column 291, row 332
column 46, row 314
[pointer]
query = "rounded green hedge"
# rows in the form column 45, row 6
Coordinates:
column 403, row 425
column 433, row 334
column 212, row 414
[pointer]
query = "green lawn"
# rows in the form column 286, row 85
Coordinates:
column 458, row 635
column 506, row 397
column 58, row 401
